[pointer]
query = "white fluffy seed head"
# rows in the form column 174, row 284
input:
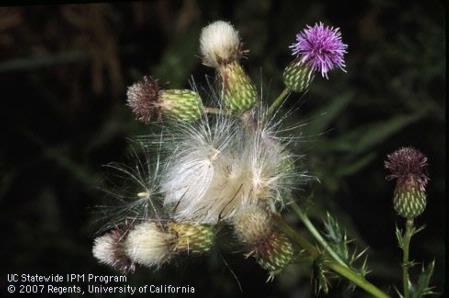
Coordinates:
column 148, row 245
column 104, row 249
column 221, row 168
column 219, row 44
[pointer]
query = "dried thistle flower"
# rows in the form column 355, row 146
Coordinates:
column 152, row 243
column 219, row 44
column 109, row 249
column 143, row 99
column 221, row 49
column 408, row 167
column 147, row 101
column 219, row 167
column 148, row 244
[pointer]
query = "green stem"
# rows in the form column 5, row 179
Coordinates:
column 405, row 256
column 277, row 102
column 357, row 279
column 344, row 271
column 216, row 111
column 309, row 225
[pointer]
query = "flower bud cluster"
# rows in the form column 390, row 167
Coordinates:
column 232, row 169
column 152, row 244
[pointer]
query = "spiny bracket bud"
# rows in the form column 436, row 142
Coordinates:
column 271, row 248
column 182, row 104
column 147, row 100
column 408, row 167
column 275, row 253
column 298, row 76
column 238, row 92
column 192, row 238
column 410, row 203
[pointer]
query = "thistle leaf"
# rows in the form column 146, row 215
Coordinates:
column 422, row 287
column 338, row 240
column 321, row 277
column 400, row 237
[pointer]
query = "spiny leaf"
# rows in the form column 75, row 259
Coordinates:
column 322, row 118
column 400, row 237
column 422, row 287
column 321, row 276
column 339, row 242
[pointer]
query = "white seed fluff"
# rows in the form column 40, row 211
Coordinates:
column 148, row 245
column 219, row 43
column 252, row 225
column 218, row 169
column 103, row 249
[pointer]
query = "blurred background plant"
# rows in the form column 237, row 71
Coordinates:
column 63, row 72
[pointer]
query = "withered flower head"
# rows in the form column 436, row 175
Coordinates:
column 409, row 167
column 143, row 99
column 109, row 249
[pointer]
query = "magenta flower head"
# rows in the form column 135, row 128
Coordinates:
column 321, row 48
column 409, row 167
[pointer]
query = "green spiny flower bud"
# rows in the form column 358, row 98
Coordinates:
column 192, row 238
column 270, row 247
column 148, row 101
column 275, row 253
column 409, row 203
column 298, row 76
column 408, row 167
column 239, row 93
column 182, row 104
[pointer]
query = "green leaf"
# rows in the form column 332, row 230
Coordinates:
column 422, row 287
column 400, row 237
column 365, row 137
column 359, row 164
column 321, row 277
column 337, row 237
column 322, row 118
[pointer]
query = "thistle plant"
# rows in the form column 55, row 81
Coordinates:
column 408, row 167
column 231, row 166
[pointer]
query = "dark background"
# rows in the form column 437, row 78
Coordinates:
column 64, row 70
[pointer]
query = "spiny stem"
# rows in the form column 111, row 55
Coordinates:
column 344, row 271
column 277, row 102
column 357, row 279
column 405, row 256
column 309, row 225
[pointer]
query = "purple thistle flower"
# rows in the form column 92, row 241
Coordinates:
column 321, row 48
column 408, row 166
